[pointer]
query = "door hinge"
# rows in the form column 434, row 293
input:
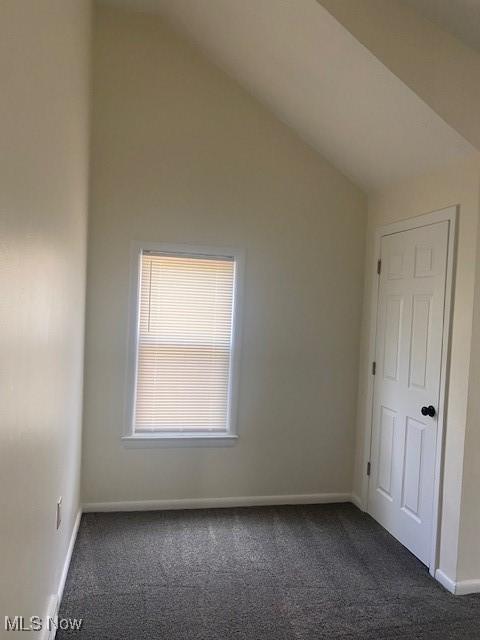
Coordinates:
column 379, row 266
column 374, row 368
column 369, row 468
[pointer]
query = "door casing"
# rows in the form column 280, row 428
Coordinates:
column 449, row 214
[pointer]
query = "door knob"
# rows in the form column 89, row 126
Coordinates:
column 428, row 411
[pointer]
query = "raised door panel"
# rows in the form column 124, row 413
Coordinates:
column 392, row 336
column 419, row 340
column 396, row 265
column 386, row 451
column 424, row 263
column 412, row 467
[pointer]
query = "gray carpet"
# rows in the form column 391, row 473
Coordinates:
column 267, row 573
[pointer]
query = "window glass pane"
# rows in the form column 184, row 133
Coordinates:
column 184, row 343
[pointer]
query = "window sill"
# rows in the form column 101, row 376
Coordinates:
column 145, row 441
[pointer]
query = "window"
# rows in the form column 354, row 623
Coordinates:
column 184, row 344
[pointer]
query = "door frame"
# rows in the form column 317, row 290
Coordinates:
column 449, row 214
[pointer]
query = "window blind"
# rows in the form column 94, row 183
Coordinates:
column 184, row 343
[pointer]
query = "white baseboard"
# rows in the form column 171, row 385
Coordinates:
column 445, row 581
column 464, row 587
column 460, row 588
column 206, row 503
column 68, row 557
column 51, row 612
column 356, row 500
column 55, row 601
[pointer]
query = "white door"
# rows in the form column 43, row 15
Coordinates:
column 408, row 354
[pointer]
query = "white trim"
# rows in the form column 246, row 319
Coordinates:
column 464, row 587
column 445, row 581
column 68, row 557
column 357, row 501
column 56, row 599
column 444, row 381
column 460, row 588
column 189, row 438
column 449, row 215
column 142, row 441
column 208, row 503
column 52, row 611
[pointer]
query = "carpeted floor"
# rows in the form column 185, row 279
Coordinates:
column 267, row 573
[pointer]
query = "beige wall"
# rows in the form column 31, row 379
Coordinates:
column 44, row 54
column 469, row 543
column 458, row 184
column 182, row 154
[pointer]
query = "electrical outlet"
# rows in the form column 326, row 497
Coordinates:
column 59, row 512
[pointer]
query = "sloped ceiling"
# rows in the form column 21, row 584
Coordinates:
column 459, row 17
column 316, row 77
column 437, row 66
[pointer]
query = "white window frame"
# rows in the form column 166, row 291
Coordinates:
column 185, row 438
